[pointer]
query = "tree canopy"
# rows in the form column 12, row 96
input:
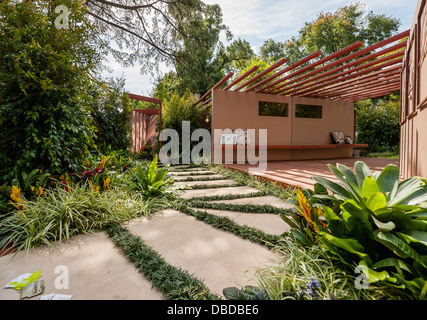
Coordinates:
column 330, row 32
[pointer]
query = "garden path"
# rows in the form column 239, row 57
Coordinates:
column 98, row 270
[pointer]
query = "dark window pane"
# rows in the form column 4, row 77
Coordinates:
column 273, row 109
column 308, row 111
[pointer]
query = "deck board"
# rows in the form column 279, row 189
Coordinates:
column 299, row 173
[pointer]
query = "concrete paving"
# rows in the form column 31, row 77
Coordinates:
column 188, row 194
column 269, row 223
column 205, row 183
column 219, row 258
column 183, row 177
column 193, row 173
column 96, row 269
column 262, row 200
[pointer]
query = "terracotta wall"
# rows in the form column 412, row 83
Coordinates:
column 143, row 129
column 413, row 118
column 233, row 110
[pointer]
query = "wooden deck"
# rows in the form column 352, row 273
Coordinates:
column 298, row 173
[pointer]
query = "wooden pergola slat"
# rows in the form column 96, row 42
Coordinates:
column 330, row 57
column 355, row 82
column 291, row 67
column 368, row 84
column 380, row 90
column 382, row 93
column 261, row 74
column 361, row 91
column 345, row 66
column 242, row 77
column 341, row 75
column 216, row 86
column 324, row 83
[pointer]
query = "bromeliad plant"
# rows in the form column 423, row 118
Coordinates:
column 151, row 180
column 306, row 220
column 378, row 223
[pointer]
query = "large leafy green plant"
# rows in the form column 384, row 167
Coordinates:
column 150, row 180
column 377, row 222
column 44, row 73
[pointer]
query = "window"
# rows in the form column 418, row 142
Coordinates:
column 308, row 111
column 273, row 109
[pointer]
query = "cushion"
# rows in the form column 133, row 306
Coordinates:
column 338, row 137
column 348, row 140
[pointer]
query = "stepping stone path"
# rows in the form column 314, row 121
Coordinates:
column 264, row 200
column 99, row 270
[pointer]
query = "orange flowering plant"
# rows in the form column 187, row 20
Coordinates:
column 306, row 220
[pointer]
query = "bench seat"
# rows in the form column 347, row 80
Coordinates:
column 294, row 147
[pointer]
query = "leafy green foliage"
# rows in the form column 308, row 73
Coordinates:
column 377, row 124
column 43, row 75
column 272, row 51
column 64, row 212
column 330, row 32
column 378, row 223
column 200, row 57
column 112, row 115
column 177, row 109
column 150, row 180
column 30, row 183
column 246, row 293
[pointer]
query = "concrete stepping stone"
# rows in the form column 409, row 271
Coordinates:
column 205, row 183
column 97, row 270
column 219, row 258
column 185, row 169
column 193, row 173
column 262, row 200
column 183, row 177
column 269, row 223
column 188, row 194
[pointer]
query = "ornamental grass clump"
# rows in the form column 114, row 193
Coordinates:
column 64, row 212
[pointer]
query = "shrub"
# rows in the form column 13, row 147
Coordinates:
column 378, row 224
column 178, row 109
column 378, row 125
column 43, row 75
column 150, row 180
column 112, row 115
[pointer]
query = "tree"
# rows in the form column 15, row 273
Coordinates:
column 377, row 123
column 331, row 32
column 200, row 54
column 44, row 71
column 238, row 53
column 112, row 114
column 272, row 50
column 153, row 32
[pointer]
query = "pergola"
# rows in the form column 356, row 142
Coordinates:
column 369, row 72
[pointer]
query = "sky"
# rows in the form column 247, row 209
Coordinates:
column 260, row 20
